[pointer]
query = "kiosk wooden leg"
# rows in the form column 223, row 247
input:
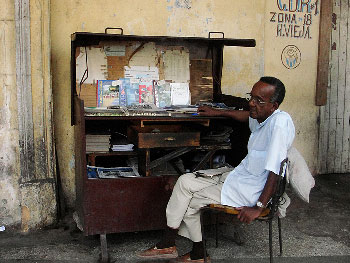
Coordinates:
column 144, row 162
column 104, row 250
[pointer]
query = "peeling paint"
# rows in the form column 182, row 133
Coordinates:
column 9, row 195
column 334, row 21
column 183, row 4
column 334, row 46
column 25, row 219
column 72, row 163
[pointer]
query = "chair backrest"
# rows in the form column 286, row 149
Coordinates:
column 276, row 199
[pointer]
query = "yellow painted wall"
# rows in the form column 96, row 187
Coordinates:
column 284, row 26
column 242, row 66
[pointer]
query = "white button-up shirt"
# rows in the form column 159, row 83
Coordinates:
column 267, row 148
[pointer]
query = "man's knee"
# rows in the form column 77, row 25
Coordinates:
column 185, row 179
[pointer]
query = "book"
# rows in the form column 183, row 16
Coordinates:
column 146, row 92
column 132, row 92
column 124, row 86
column 180, row 94
column 162, row 93
column 107, row 93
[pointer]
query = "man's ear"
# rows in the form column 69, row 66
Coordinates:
column 275, row 105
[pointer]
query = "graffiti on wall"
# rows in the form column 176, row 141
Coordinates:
column 294, row 18
column 291, row 56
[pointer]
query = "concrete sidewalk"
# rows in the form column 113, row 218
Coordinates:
column 312, row 233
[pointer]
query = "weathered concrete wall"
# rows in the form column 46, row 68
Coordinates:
column 10, row 212
column 27, row 160
column 242, row 66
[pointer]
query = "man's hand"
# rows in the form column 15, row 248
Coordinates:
column 248, row 214
column 207, row 111
column 238, row 115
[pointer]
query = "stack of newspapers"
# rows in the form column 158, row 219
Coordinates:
column 97, row 142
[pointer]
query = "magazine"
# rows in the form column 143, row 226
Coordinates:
column 113, row 172
column 146, row 94
column 107, row 93
column 162, row 93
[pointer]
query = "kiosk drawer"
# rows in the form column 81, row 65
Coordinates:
column 163, row 136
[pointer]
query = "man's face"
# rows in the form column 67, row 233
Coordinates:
column 260, row 106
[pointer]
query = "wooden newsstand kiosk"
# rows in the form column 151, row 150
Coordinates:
column 137, row 204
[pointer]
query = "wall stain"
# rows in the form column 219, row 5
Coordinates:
column 25, row 219
column 183, row 4
column 334, row 21
column 41, row 158
column 334, row 46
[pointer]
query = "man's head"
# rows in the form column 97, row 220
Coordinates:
column 266, row 96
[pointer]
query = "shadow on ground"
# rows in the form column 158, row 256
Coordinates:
column 314, row 232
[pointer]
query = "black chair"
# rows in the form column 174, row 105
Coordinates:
column 267, row 215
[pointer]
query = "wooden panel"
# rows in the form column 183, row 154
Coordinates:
column 80, row 163
column 122, row 205
column 334, row 117
column 346, row 118
column 201, row 80
column 115, row 67
column 333, row 92
column 339, row 133
column 88, row 94
column 323, row 140
column 323, row 88
column 323, row 52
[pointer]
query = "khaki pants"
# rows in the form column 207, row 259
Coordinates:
column 189, row 195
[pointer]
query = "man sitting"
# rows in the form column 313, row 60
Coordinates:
column 248, row 187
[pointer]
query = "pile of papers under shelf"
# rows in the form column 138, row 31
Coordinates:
column 122, row 147
column 97, row 142
column 94, row 172
column 120, row 143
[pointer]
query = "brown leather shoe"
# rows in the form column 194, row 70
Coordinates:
column 161, row 253
column 187, row 259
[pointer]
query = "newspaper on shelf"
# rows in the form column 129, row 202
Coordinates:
column 112, row 172
column 213, row 172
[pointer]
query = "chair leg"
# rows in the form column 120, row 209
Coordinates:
column 270, row 241
column 280, row 234
column 104, row 250
column 203, row 236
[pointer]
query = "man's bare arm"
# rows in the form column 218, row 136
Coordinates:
column 248, row 214
column 238, row 115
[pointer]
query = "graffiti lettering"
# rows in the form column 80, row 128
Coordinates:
column 283, row 18
column 298, row 6
column 290, row 23
column 286, row 18
column 273, row 17
column 295, row 31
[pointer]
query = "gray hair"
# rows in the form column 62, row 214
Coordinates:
column 280, row 90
